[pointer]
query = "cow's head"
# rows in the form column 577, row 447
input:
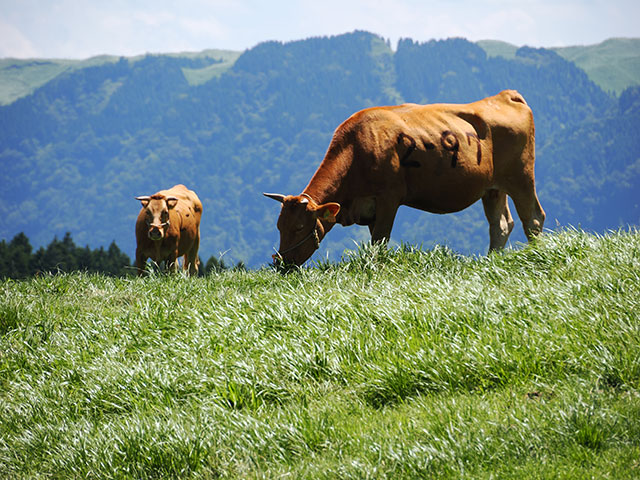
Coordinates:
column 156, row 211
column 302, row 224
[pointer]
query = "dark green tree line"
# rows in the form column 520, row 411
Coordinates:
column 19, row 261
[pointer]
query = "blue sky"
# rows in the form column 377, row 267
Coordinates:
column 84, row 28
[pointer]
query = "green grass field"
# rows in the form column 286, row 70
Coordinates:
column 392, row 364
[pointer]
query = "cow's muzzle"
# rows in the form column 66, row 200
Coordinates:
column 156, row 230
column 278, row 257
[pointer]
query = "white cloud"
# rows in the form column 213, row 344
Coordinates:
column 13, row 43
column 512, row 24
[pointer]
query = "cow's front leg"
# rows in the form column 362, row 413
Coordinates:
column 172, row 262
column 141, row 262
column 383, row 223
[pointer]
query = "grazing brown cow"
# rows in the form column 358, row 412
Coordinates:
column 439, row 158
column 168, row 227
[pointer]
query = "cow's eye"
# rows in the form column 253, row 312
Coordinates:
column 299, row 227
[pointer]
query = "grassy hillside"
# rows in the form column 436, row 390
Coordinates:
column 614, row 64
column 21, row 77
column 390, row 364
column 497, row 48
column 198, row 76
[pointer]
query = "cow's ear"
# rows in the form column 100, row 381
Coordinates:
column 144, row 200
column 171, row 202
column 328, row 211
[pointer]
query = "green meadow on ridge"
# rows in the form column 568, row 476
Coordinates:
column 392, row 363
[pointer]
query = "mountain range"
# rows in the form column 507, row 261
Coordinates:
column 80, row 139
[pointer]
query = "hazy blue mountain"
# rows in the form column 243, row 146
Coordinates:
column 77, row 150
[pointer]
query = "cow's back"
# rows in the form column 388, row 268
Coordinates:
column 189, row 206
column 457, row 151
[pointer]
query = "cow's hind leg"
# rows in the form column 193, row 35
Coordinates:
column 190, row 264
column 496, row 209
column 529, row 209
column 191, row 260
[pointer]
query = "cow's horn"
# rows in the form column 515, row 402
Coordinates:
column 276, row 196
column 144, row 197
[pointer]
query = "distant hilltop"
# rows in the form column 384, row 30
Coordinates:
column 21, row 77
column 613, row 65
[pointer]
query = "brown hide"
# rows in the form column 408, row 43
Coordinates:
column 438, row 158
column 166, row 242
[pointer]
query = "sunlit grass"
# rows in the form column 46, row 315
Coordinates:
column 394, row 363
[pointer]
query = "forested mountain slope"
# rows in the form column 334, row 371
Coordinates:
column 76, row 151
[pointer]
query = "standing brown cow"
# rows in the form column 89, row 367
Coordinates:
column 168, row 227
column 439, row 158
